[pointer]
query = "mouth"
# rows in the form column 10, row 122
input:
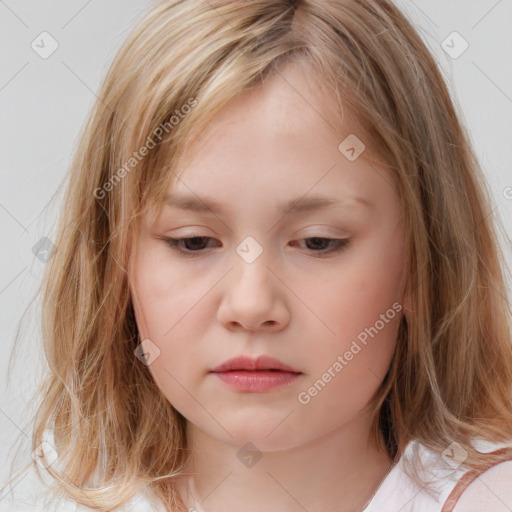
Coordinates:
column 261, row 364
column 255, row 375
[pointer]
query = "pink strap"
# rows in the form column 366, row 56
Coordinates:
column 471, row 476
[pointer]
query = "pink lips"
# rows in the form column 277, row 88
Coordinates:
column 248, row 363
column 255, row 375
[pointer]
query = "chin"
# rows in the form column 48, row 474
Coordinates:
column 270, row 435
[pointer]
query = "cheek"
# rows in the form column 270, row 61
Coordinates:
column 167, row 306
column 347, row 367
column 355, row 301
column 361, row 311
column 164, row 295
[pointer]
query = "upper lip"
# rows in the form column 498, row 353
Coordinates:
column 249, row 363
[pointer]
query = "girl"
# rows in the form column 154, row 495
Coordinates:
column 277, row 284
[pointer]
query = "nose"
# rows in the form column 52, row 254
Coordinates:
column 253, row 299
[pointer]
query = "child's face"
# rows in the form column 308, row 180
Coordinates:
column 269, row 146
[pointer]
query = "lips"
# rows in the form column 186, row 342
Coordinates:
column 248, row 375
column 261, row 363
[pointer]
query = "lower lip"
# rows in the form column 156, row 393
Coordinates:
column 256, row 381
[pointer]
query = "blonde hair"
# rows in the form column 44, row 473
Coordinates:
column 450, row 378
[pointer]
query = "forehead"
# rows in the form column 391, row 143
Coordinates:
column 290, row 105
column 274, row 142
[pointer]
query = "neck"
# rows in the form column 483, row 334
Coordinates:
column 339, row 471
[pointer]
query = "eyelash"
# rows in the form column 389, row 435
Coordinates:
column 340, row 244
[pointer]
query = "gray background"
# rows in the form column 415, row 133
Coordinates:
column 44, row 103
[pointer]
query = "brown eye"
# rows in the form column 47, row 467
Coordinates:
column 197, row 244
column 321, row 245
column 192, row 244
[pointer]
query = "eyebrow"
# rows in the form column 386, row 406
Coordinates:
column 299, row 204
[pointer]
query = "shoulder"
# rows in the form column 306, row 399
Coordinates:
column 399, row 491
column 492, row 490
column 141, row 502
column 488, row 488
column 27, row 493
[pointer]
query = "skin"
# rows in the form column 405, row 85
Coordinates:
column 271, row 144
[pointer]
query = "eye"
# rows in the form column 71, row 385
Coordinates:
column 196, row 244
column 193, row 244
column 336, row 244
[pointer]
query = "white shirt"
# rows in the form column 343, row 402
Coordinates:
column 397, row 492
